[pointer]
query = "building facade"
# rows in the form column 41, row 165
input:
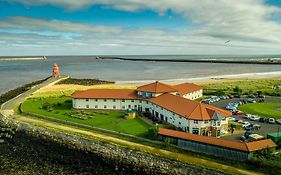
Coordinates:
column 170, row 104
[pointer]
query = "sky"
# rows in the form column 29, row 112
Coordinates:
column 139, row 27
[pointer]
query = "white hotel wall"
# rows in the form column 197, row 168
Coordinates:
column 194, row 95
column 172, row 117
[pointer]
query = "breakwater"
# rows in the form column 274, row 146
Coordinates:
column 23, row 58
column 267, row 62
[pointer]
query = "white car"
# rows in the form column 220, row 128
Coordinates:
column 231, row 119
column 248, row 116
column 254, row 118
column 245, row 124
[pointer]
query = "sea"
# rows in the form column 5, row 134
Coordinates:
column 16, row 73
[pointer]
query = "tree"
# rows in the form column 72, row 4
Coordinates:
column 219, row 92
column 237, row 90
column 152, row 132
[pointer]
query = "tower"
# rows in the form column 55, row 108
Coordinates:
column 56, row 71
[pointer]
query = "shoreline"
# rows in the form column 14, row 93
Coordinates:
column 210, row 79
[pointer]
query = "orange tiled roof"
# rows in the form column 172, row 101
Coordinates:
column 186, row 88
column 246, row 147
column 188, row 108
column 156, row 87
column 106, row 93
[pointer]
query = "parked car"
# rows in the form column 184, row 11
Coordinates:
column 230, row 96
column 271, row 121
column 278, row 121
column 250, row 100
column 245, row 124
column 254, row 118
column 261, row 96
column 248, row 133
column 262, row 120
column 237, row 96
column 251, row 96
column 238, row 113
column 256, row 126
column 247, row 116
column 231, row 119
column 240, row 121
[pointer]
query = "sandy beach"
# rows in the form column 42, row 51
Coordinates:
column 67, row 89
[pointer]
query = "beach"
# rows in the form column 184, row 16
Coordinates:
column 16, row 73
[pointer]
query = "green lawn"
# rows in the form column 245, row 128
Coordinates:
column 263, row 109
column 111, row 120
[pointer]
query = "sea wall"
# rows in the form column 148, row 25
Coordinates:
column 128, row 160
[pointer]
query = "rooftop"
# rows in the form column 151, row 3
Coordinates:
column 185, row 88
column 156, row 87
column 188, row 108
column 106, row 93
column 241, row 146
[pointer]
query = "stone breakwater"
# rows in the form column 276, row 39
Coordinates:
column 121, row 160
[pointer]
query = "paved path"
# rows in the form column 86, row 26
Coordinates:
column 15, row 102
column 12, row 104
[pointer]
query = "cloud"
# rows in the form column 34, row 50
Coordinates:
column 247, row 23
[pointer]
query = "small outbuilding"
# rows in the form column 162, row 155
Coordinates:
column 276, row 137
column 130, row 114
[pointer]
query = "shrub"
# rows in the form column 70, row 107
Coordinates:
column 152, row 132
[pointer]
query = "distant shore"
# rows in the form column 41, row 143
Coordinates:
column 23, row 58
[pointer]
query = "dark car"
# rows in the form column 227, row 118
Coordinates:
column 262, row 120
column 248, row 133
column 237, row 96
column 251, row 96
column 261, row 96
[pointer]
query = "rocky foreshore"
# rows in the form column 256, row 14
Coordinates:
column 38, row 150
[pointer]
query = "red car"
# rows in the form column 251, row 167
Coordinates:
column 238, row 113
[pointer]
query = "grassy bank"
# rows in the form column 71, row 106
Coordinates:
column 61, row 108
column 263, row 109
column 266, row 86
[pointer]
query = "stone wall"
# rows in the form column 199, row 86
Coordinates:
column 121, row 157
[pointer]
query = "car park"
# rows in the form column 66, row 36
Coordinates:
column 271, row 121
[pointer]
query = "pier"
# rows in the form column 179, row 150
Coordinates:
column 271, row 62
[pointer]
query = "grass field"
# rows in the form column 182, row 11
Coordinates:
column 113, row 120
column 252, row 86
column 263, row 109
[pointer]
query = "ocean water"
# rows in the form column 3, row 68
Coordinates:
column 16, row 73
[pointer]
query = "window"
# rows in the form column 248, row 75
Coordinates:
column 123, row 100
column 129, row 106
column 161, row 108
column 173, row 113
column 195, row 121
column 180, row 117
column 87, row 99
column 206, row 121
column 114, row 107
column 146, row 102
column 123, row 107
column 114, row 100
column 179, row 123
column 218, row 123
column 140, row 101
column 104, row 100
column 87, row 106
column 104, row 106
column 96, row 106
column 195, row 130
column 132, row 100
column 96, row 99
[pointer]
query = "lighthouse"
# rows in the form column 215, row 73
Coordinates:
column 56, row 71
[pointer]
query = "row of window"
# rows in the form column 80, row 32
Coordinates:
column 114, row 100
column 113, row 107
